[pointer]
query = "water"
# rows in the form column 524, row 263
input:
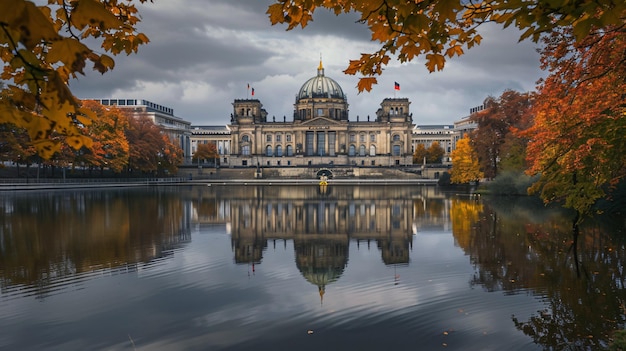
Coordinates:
column 271, row 268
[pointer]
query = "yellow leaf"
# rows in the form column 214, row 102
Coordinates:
column 46, row 148
column 103, row 64
column 38, row 128
column 85, row 116
column 435, row 62
column 409, row 51
column 454, row 50
column 57, row 112
column 70, row 52
column 142, row 38
column 276, row 13
column 10, row 10
column 78, row 141
column 93, row 13
column 35, row 26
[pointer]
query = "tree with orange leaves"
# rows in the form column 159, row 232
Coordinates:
column 110, row 146
column 44, row 44
column 150, row 150
column 437, row 30
column 495, row 123
column 577, row 143
column 205, row 152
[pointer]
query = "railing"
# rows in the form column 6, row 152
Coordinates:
column 8, row 182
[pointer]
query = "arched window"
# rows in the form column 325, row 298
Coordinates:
column 245, row 139
column 351, row 150
column 245, row 150
column 362, row 150
column 268, row 150
column 396, row 137
column 279, row 151
column 289, row 150
column 396, row 150
column 372, row 150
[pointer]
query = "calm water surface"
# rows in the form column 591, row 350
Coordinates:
column 304, row 268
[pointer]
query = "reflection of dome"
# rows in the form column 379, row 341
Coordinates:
column 321, row 86
column 321, row 262
column 321, row 276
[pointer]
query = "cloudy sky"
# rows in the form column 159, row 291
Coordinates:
column 203, row 54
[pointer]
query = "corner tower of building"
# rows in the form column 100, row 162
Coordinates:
column 320, row 96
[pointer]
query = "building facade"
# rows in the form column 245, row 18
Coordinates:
column 320, row 132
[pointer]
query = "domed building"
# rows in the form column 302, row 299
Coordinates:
column 320, row 132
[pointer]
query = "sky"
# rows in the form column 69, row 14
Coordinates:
column 203, row 54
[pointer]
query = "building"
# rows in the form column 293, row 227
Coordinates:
column 445, row 135
column 465, row 124
column 177, row 129
column 320, row 132
column 217, row 135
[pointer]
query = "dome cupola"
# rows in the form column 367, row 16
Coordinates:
column 321, row 96
column 321, row 86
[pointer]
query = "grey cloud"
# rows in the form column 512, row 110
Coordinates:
column 221, row 45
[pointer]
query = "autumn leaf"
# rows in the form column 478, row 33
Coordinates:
column 41, row 54
column 92, row 12
column 435, row 62
column 69, row 51
column 365, row 83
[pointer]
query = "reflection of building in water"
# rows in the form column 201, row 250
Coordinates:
column 431, row 211
column 321, row 225
column 321, row 221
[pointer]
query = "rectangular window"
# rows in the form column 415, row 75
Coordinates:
column 373, row 138
column 310, row 137
column 320, row 112
column 321, row 143
column 288, row 136
column 268, row 138
column 278, row 137
column 352, row 138
column 332, row 138
column 362, row 138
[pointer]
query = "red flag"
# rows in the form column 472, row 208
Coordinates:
column 252, row 91
column 396, row 86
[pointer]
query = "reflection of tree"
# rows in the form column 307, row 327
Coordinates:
column 46, row 237
column 463, row 214
column 522, row 246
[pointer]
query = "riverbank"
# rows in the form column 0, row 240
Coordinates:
column 57, row 184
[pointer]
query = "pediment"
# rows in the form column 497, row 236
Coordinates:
column 320, row 122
